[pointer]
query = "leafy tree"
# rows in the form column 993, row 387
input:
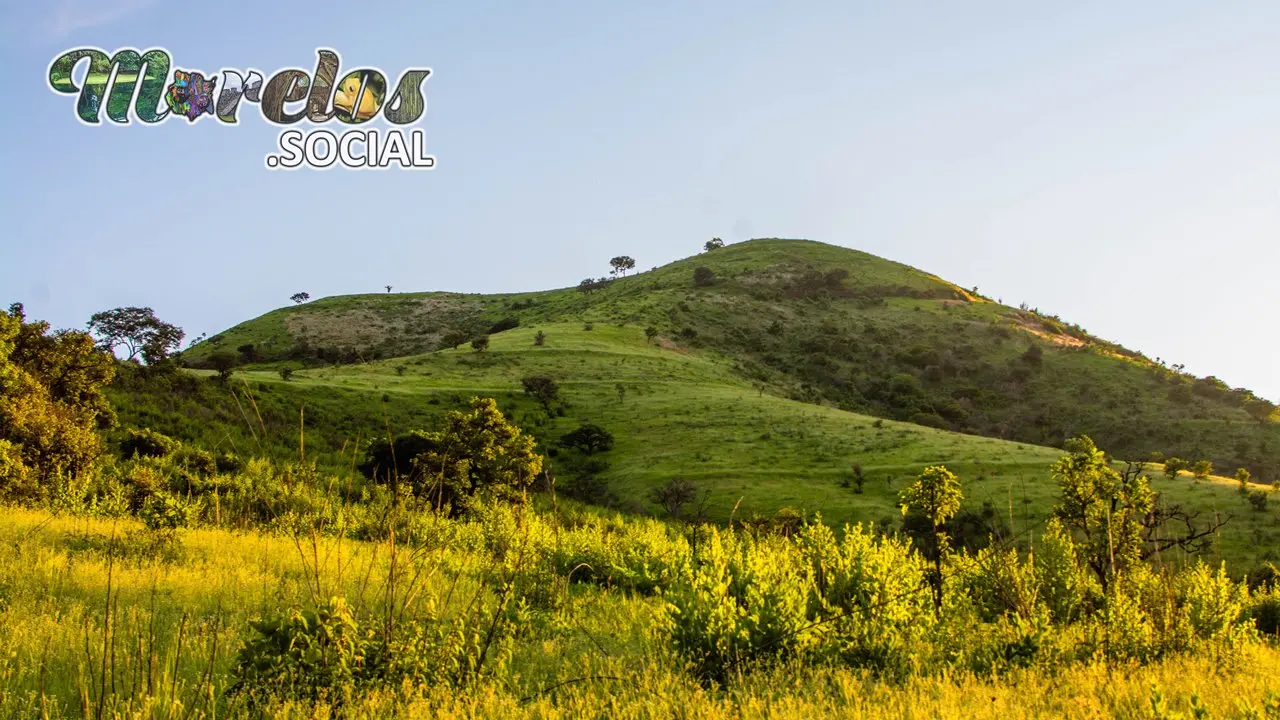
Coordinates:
column 621, row 264
column 248, row 353
column 1173, row 466
column 480, row 343
column 453, row 338
column 703, row 277
column 1119, row 520
column 588, row 285
column 541, row 388
column 224, row 363
column 588, row 439
column 650, row 333
column 859, row 479
column 388, row 287
column 300, row 298
column 286, row 373
column 540, row 338
column 138, row 330
column 935, row 496
column 674, row 495
column 713, row 244
column 51, row 403
column 1242, row 479
column 476, row 452
column 1103, row 507
column 1202, row 469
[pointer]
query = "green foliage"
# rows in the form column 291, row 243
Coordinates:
column 935, row 494
column 139, row 331
column 312, row 654
column 703, row 277
column 742, row 604
column 165, row 514
column 476, row 452
column 1202, row 469
column 1258, row 500
column 541, row 388
column 146, row 442
column 1173, row 466
column 588, row 438
column 51, row 403
column 1101, row 507
column 480, row 343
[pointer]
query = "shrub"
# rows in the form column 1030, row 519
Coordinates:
column 540, row 338
column 286, row 373
column 311, row 654
column 165, row 514
column 228, row 463
column 743, row 604
column 1202, row 469
column 480, row 344
column 147, row 443
column 197, row 461
column 506, row 323
column 1258, row 500
column 588, row 439
column 703, row 277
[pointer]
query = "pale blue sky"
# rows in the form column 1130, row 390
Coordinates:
column 1115, row 163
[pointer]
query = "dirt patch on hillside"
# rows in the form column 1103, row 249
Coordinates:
column 1052, row 337
column 406, row 326
column 666, row 344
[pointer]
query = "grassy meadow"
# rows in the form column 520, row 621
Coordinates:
column 94, row 625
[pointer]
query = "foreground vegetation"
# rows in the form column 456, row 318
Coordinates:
column 428, row 537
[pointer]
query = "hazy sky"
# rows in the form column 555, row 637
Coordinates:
column 1115, row 163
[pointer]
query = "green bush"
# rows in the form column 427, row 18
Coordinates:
column 743, row 603
column 311, row 654
column 147, row 443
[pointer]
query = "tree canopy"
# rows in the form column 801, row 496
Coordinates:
column 138, row 331
column 51, row 402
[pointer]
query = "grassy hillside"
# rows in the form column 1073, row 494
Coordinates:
column 831, row 326
column 684, row 412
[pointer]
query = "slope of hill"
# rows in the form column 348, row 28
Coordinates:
column 832, row 326
column 675, row 410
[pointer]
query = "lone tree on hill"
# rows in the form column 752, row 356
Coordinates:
column 622, row 264
column 673, row 496
column 224, row 363
column 589, row 439
column 541, row 388
column 300, row 298
column 1173, row 466
column 650, row 333
column 388, row 287
column 703, row 277
column 1202, row 469
column 138, row 330
column 480, row 344
column 713, row 244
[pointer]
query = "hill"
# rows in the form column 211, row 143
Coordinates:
column 754, row 388
column 827, row 325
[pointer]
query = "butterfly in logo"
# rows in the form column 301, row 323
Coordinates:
column 190, row 95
